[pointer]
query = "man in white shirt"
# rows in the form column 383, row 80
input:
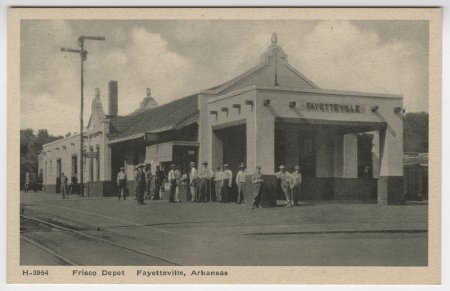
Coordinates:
column 173, row 183
column 218, row 181
column 227, row 177
column 122, row 183
column 193, row 180
column 240, row 181
column 294, row 182
column 284, row 177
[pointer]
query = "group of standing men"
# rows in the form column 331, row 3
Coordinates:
column 143, row 177
column 202, row 181
column 290, row 184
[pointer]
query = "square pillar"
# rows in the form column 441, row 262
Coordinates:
column 390, row 180
column 216, row 151
column 264, row 140
column 324, row 154
column 350, row 156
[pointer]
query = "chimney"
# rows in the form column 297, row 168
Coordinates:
column 113, row 98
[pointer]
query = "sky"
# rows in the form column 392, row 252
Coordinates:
column 176, row 58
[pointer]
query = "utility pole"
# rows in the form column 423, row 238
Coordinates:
column 83, row 56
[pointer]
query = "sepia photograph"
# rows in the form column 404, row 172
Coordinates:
column 205, row 142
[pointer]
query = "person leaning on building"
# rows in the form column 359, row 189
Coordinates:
column 240, row 181
column 122, row 183
column 140, row 184
column 159, row 180
column 173, row 183
column 64, row 186
column 193, row 181
column 284, row 177
column 258, row 180
column 294, row 182
column 218, row 183
column 227, row 177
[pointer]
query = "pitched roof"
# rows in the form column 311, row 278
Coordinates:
column 165, row 117
column 121, row 123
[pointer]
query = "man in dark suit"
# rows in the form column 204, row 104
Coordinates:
column 141, row 184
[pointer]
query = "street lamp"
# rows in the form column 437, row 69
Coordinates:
column 83, row 55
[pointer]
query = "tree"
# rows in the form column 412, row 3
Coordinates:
column 415, row 132
column 30, row 146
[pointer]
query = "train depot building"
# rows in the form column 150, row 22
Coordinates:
column 349, row 145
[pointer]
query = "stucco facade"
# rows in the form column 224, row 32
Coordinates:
column 348, row 144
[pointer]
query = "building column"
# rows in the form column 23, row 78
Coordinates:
column 216, row 151
column 350, row 156
column 346, row 156
column 292, row 148
column 390, row 180
column 263, row 139
column 324, row 154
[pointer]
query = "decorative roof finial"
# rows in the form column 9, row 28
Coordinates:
column 149, row 92
column 97, row 92
column 274, row 38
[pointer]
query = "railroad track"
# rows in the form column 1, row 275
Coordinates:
column 120, row 248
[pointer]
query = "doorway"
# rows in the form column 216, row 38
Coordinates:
column 234, row 146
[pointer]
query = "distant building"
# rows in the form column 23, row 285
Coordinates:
column 349, row 144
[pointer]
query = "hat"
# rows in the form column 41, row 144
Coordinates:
column 140, row 166
column 258, row 167
column 192, row 164
column 122, row 168
column 172, row 166
column 281, row 167
column 205, row 163
column 297, row 167
column 225, row 165
column 242, row 165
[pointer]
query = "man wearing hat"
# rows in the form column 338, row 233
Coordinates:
column 122, row 183
column 140, row 181
column 173, row 183
column 257, row 179
column 205, row 176
column 227, row 178
column 193, row 180
column 240, row 181
column 294, row 183
column 284, row 177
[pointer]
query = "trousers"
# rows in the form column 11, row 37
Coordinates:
column 258, row 195
column 240, row 197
